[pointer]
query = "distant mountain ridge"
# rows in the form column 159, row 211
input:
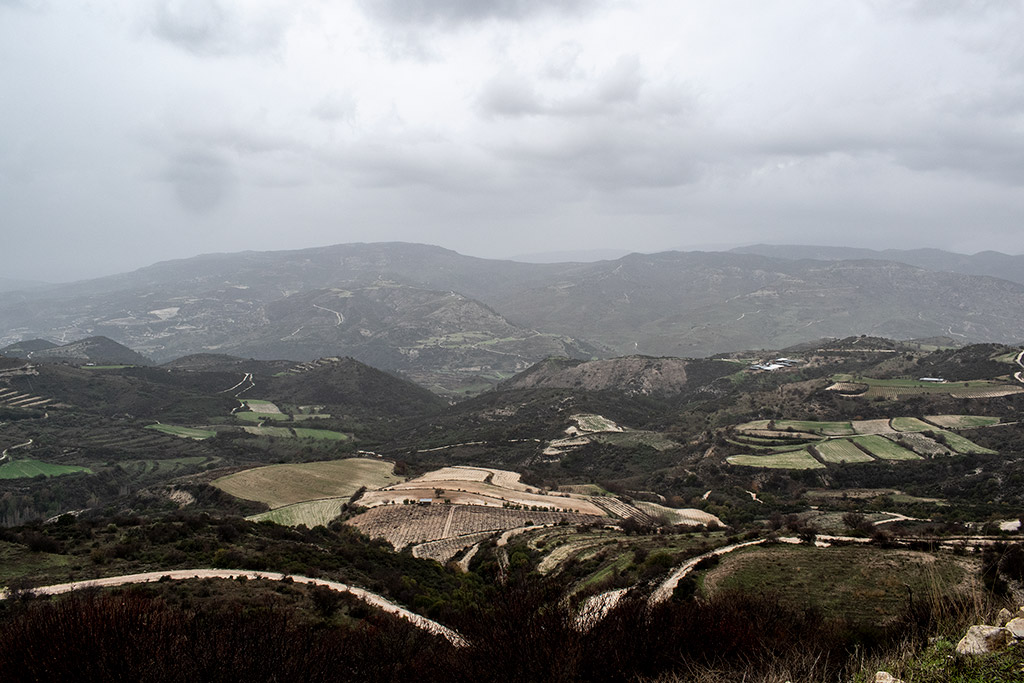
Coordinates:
column 989, row 263
column 96, row 349
column 451, row 321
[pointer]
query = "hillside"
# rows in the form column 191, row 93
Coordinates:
column 98, row 350
column 630, row 375
column 986, row 263
column 457, row 323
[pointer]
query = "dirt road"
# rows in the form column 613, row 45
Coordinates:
column 366, row 596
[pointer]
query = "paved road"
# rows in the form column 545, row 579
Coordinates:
column 374, row 599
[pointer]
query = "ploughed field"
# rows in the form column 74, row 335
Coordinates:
column 807, row 444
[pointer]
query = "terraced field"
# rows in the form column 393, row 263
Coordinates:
column 402, row 525
column 841, row 450
column 790, row 460
column 895, row 389
column 280, row 485
column 962, row 421
column 297, row 433
column 884, row 448
column 898, row 438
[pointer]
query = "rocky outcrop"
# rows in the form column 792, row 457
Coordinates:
column 982, row 639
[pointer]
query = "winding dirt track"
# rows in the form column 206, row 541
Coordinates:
column 180, row 574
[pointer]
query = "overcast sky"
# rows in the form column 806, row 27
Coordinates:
column 134, row 131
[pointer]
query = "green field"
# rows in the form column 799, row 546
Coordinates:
column 791, row 460
column 259, row 417
column 910, row 424
column 841, row 450
column 280, row 485
column 883, row 448
column 962, row 421
column 22, row 469
column 962, row 444
column 826, row 428
column 185, row 432
column 312, row 513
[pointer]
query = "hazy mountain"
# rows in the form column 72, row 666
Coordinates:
column 992, row 263
column 92, row 350
column 448, row 320
column 9, row 285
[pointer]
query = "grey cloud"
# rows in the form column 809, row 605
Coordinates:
column 201, row 180
column 512, row 95
column 335, row 107
column 454, row 12
column 218, row 27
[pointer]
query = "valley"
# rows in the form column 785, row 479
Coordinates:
column 490, row 474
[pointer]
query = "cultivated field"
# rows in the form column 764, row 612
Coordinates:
column 311, row 513
column 962, row 421
column 297, row 433
column 897, row 438
column 895, row 389
column 184, row 432
column 403, row 525
column 477, row 486
column 790, row 460
column 841, row 450
column 22, row 469
column 688, row 516
column 885, row 449
column 280, row 485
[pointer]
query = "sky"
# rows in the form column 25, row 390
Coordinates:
column 137, row 131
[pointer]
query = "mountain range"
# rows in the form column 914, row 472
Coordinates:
column 454, row 322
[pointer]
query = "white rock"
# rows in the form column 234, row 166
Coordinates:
column 1016, row 627
column 1004, row 616
column 982, row 639
column 886, row 677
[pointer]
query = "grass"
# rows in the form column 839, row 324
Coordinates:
column 185, row 432
column 280, row 485
column 259, row 417
column 863, row 583
column 841, row 450
column 790, row 460
column 883, row 448
column 106, row 367
column 24, row 469
column 939, row 663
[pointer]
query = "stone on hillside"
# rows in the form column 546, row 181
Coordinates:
column 1004, row 616
column 1016, row 627
column 886, row 677
column 983, row 639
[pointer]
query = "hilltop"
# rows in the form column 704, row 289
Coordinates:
column 97, row 350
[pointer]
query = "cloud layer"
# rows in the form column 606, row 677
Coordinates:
column 134, row 131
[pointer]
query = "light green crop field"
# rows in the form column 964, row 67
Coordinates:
column 280, row 485
column 841, row 450
column 883, row 448
column 259, row 417
column 826, row 428
column 185, row 432
column 311, row 513
column 791, row 460
column 23, row 469
column 106, row 367
column 962, row 421
column 962, row 444
column 910, row 424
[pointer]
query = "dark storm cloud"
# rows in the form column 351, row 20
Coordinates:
column 201, row 180
column 454, row 12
